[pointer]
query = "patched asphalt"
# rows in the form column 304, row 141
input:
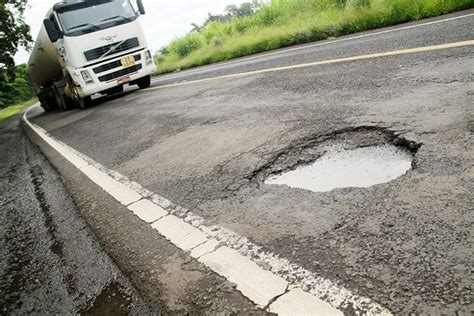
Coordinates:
column 406, row 244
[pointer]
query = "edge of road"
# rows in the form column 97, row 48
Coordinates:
column 322, row 62
column 51, row 261
column 271, row 282
column 389, row 29
column 153, row 265
column 282, row 287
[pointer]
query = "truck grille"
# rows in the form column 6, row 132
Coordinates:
column 120, row 73
column 106, row 50
column 113, row 65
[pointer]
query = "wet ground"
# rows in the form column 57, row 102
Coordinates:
column 50, row 261
column 167, row 279
column 52, row 257
column 210, row 146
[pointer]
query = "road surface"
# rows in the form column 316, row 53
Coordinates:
column 51, row 263
column 206, row 139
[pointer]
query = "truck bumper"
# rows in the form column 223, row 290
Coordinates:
column 112, row 73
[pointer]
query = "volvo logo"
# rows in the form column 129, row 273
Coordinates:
column 109, row 39
column 62, row 52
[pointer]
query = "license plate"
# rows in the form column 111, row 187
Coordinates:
column 128, row 61
column 124, row 80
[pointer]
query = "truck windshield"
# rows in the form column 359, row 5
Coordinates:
column 90, row 16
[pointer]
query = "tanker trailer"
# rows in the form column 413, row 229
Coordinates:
column 87, row 47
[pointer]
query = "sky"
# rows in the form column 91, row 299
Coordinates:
column 163, row 21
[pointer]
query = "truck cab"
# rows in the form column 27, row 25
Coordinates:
column 95, row 46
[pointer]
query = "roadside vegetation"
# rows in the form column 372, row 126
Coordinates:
column 16, row 89
column 16, row 92
column 260, row 26
column 12, row 110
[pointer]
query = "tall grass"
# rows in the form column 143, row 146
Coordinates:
column 282, row 23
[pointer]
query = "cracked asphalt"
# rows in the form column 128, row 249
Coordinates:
column 68, row 248
column 406, row 244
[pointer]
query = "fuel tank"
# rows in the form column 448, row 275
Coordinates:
column 44, row 63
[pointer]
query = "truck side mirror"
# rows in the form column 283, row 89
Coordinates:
column 53, row 33
column 141, row 7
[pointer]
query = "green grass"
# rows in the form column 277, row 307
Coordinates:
column 282, row 23
column 12, row 110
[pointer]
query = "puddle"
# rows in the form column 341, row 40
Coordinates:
column 339, row 168
column 112, row 301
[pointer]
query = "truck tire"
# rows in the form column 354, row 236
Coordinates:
column 47, row 102
column 85, row 102
column 60, row 99
column 81, row 102
column 46, row 107
column 144, row 82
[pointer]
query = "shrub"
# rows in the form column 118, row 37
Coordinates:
column 185, row 45
column 268, row 15
column 214, row 29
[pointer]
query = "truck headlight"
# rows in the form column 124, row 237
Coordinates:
column 86, row 76
column 148, row 58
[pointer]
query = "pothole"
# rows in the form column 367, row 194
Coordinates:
column 340, row 168
column 355, row 157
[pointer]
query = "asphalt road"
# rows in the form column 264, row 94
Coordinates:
column 83, row 253
column 208, row 146
column 50, row 260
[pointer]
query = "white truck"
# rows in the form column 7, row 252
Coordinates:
column 87, row 47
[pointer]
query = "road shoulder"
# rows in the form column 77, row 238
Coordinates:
column 168, row 279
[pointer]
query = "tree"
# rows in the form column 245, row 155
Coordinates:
column 196, row 28
column 23, row 86
column 18, row 90
column 245, row 9
column 14, row 33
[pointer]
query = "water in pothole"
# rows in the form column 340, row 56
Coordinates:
column 338, row 168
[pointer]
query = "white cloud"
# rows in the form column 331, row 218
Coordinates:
column 164, row 20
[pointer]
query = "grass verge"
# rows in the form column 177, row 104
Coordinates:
column 12, row 110
column 282, row 23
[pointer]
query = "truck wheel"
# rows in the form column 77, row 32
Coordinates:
column 144, row 82
column 82, row 102
column 46, row 107
column 47, row 103
column 85, row 102
column 60, row 99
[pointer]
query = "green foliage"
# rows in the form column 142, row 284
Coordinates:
column 14, row 32
column 362, row 3
column 12, row 110
column 341, row 4
column 281, row 23
column 231, row 12
column 268, row 15
column 185, row 45
column 235, row 11
column 17, row 90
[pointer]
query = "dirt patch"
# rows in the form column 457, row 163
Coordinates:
column 175, row 282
